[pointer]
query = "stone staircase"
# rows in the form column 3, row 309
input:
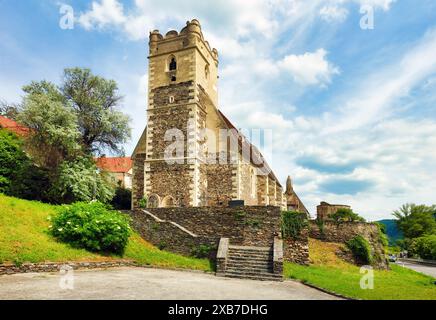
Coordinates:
column 254, row 263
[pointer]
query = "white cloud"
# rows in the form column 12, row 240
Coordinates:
column 378, row 94
column 310, row 68
column 333, row 13
column 102, row 14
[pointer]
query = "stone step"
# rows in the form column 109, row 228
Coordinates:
column 247, row 248
column 255, row 276
column 250, row 270
column 242, row 264
column 251, row 253
column 244, row 258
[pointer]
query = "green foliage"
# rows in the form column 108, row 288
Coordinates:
column 31, row 182
column 239, row 215
column 91, row 226
column 416, row 220
column 344, row 214
column 143, row 203
column 80, row 180
column 94, row 100
column 424, row 247
column 122, row 199
column 293, row 224
column 12, row 159
column 54, row 135
column 254, row 223
column 202, row 251
column 382, row 234
column 361, row 249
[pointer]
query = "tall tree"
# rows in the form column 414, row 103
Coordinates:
column 416, row 220
column 94, row 100
column 54, row 131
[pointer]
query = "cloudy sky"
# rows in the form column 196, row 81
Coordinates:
column 353, row 110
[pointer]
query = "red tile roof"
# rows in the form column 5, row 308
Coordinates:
column 13, row 126
column 114, row 164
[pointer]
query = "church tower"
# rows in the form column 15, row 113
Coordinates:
column 182, row 86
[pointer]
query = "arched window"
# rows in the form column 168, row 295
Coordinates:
column 173, row 64
column 168, row 202
column 153, row 201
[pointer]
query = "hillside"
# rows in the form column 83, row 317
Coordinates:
column 331, row 273
column 392, row 230
column 24, row 238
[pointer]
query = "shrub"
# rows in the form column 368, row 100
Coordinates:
column 361, row 249
column 424, row 247
column 293, row 224
column 92, row 226
column 122, row 199
column 344, row 214
column 143, row 203
column 202, row 251
column 80, row 180
column 12, row 158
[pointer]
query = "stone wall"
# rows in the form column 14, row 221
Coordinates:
column 138, row 179
column 219, row 184
column 58, row 266
column 182, row 230
column 297, row 250
column 330, row 231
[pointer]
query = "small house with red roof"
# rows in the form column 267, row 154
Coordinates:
column 119, row 168
column 13, row 126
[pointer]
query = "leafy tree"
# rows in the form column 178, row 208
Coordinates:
column 53, row 123
column 94, row 100
column 122, row 199
column 416, row 220
column 344, row 214
column 12, row 159
column 425, row 247
column 80, row 180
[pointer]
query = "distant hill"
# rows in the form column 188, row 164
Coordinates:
column 392, row 231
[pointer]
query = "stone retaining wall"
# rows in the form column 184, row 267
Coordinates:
column 184, row 230
column 342, row 232
column 297, row 250
column 56, row 267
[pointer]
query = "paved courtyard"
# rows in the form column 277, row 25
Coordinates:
column 147, row 283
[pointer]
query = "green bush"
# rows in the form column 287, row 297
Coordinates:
column 361, row 249
column 424, row 247
column 202, row 251
column 344, row 214
column 143, row 203
column 91, row 226
column 12, row 159
column 293, row 224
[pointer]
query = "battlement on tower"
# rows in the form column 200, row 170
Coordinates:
column 190, row 36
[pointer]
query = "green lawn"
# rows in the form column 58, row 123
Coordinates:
column 24, row 238
column 329, row 272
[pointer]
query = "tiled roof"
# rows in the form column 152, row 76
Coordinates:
column 114, row 164
column 13, row 126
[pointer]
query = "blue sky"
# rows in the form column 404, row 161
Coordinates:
column 353, row 111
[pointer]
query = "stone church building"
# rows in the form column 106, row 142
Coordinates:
column 203, row 167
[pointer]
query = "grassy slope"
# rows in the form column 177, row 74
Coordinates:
column 24, row 238
column 329, row 272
